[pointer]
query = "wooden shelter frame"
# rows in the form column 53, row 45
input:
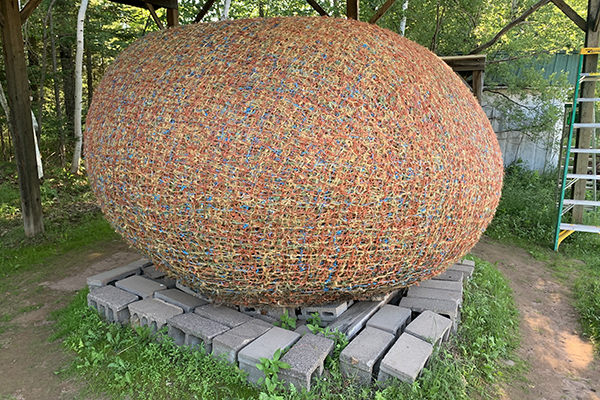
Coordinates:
column 11, row 19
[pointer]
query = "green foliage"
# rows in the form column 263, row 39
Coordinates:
column 527, row 207
column 286, row 321
column 271, row 368
column 588, row 304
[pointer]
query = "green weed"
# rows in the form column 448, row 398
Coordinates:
column 286, row 322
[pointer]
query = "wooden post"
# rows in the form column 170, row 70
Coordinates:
column 20, row 113
column 586, row 110
column 352, row 9
column 172, row 17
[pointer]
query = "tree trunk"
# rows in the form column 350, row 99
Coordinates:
column 20, row 113
column 225, row 15
column 78, row 87
column 68, row 76
column 2, row 145
column 57, row 106
column 89, row 73
column 41, row 95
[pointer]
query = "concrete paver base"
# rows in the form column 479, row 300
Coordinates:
column 193, row 330
column 231, row 342
column 361, row 357
column 306, row 360
column 112, row 303
column 153, row 313
column 405, row 360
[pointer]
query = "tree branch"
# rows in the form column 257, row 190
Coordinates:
column 29, row 9
column 572, row 14
column 511, row 100
column 520, row 57
column 511, row 25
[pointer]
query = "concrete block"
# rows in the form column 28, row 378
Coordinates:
column 109, row 277
column 153, row 313
column 362, row 356
column 265, row 346
column 449, row 275
column 441, row 285
column 112, row 303
column 181, row 286
column 327, row 312
column 272, row 312
column 231, row 342
column 306, row 360
column 470, row 263
column 355, row 318
column 222, row 314
column 175, row 296
column 447, row 308
column 193, row 330
column 302, row 330
column 152, row 272
column 466, row 270
column 430, row 327
column 438, row 294
column 383, row 297
column 140, row 286
column 392, row 319
column 405, row 360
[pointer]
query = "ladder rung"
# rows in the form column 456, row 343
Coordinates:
column 586, row 125
column 588, row 151
column 590, row 50
column 588, row 99
column 582, row 202
column 583, row 176
column 587, row 78
column 580, row 228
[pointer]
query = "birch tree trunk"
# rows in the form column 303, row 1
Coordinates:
column 225, row 15
column 78, row 87
column 57, row 107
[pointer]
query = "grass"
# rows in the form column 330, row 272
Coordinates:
column 128, row 363
column 526, row 217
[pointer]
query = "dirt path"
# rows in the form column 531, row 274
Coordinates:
column 562, row 364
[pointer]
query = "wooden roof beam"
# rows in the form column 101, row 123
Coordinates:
column 352, row 9
column 150, row 8
column 317, row 8
column 572, row 14
column 205, row 8
column 382, row 10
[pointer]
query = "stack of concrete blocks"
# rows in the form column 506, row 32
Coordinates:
column 387, row 339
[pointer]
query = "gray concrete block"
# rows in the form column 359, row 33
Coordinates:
column 302, row 330
column 175, row 296
column 140, row 286
column 306, row 360
column 112, row 303
column 153, row 313
column 181, row 286
column 392, row 319
column 470, row 263
column 108, row 277
column 193, row 330
column 355, row 318
column 231, row 342
column 449, row 275
column 361, row 358
column 466, row 270
column 222, row 314
column 327, row 312
column 383, row 297
column 152, row 272
column 274, row 313
column 441, row 285
column 430, row 327
column 438, row 294
column 264, row 347
column 405, row 360
column 447, row 308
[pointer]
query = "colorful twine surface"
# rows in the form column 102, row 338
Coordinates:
column 291, row 161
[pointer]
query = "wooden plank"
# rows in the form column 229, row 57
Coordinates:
column 352, row 9
column 317, row 8
column 205, row 8
column 478, row 85
column 572, row 14
column 150, row 8
column 382, row 10
column 29, row 9
column 168, row 4
column 172, row 17
column 20, row 114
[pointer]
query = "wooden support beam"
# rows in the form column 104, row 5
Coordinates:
column 1, row 20
column 150, row 8
column 572, row 14
column 352, row 9
column 20, row 115
column 205, row 8
column 478, row 85
column 317, row 8
column 382, row 10
column 586, row 111
column 172, row 17
column 29, row 9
